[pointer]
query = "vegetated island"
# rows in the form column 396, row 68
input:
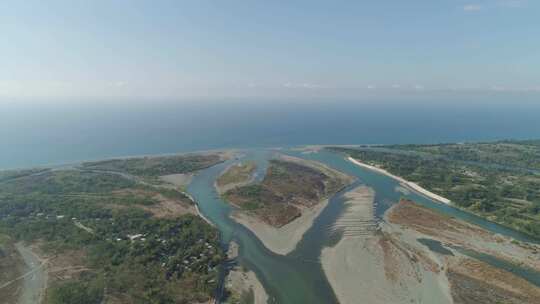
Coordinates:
column 106, row 232
column 499, row 181
column 419, row 256
column 282, row 207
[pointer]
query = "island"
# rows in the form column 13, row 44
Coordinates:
column 113, row 231
column 282, row 207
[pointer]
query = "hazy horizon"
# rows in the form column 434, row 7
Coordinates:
column 253, row 49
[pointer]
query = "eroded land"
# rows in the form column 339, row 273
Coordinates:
column 499, row 181
column 236, row 175
column 106, row 232
column 281, row 208
column 242, row 285
column 415, row 256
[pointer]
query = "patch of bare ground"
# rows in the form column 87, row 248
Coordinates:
column 160, row 206
column 169, row 208
column 474, row 282
column 410, row 215
column 244, row 287
column 63, row 265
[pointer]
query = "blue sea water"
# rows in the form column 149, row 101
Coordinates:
column 41, row 133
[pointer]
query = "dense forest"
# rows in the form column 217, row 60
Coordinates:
column 494, row 180
column 129, row 255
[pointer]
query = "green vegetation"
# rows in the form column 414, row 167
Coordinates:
column 12, row 174
column 131, row 256
column 157, row 166
column 285, row 190
column 487, row 179
column 521, row 154
column 83, row 292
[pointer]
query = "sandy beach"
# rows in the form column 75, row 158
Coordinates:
column 405, row 183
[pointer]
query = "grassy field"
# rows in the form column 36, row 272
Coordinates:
column 493, row 180
column 104, row 223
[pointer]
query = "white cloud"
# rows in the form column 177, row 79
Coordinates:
column 371, row 87
column 472, row 7
column 419, row 87
column 396, row 86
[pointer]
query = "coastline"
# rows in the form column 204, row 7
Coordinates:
column 404, row 182
column 281, row 240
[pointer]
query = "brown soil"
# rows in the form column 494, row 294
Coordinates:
column 474, row 282
column 163, row 207
column 169, row 208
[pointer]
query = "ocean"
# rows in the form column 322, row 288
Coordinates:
column 41, row 133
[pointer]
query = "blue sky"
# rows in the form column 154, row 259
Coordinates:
column 215, row 49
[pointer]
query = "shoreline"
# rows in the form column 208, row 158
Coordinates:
column 412, row 186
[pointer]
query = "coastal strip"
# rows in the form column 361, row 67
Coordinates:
column 406, row 183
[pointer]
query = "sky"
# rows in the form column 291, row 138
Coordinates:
column 213, row 49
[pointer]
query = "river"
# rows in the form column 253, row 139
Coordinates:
column 298, row 277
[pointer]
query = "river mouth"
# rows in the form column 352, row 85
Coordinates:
column 298, row 277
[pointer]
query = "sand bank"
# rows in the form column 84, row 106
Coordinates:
column 281, row 240
column 240, row 283
column 404, row 182
column 372, row 266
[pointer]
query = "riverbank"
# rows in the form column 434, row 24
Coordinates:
column 242, row 285
column 408, row 184
column 468, row 258
column 284, row 239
